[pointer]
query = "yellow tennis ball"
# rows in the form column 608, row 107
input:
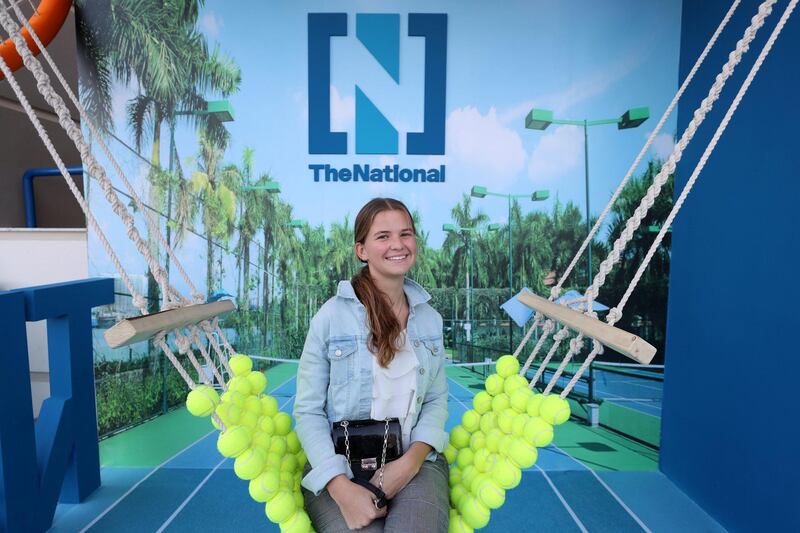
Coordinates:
column 450, row 453
column 289, row 463
column 505, row 473
column 458, row 525
column 302, row 459
column 518, row 425
column 281, row 507
column 459, row 437
column 258, row 382
column 471, row 420
column 554, row 410
column 233, row 441
column 464, row 457
column 491, row 494
column 266, row 424
column 493, row 440
column 202, row 400
column 241, row 385
column 521, row 453
column 287, row 480
column 488, row 422
column 482, row 402
column 477, row 441
column 229, row 413
column 475, row 514
column 476, row 482
column 480, row 459
column 494, row 384
column 513, row 383
column 538, row 432
column 278, row 445
column 297, row 523
column 274, row 460
column 456, row 493
column 298, row 497
column 283, row 423
column 255, row 490
column 249, row 464
column 519, row 399
column 468, row 474
column 233, row 397
column 252, row 405
column 507, row 366
column 505, row 421
column 534, row 404
column 248, row 419
column 500, row 403
column 292, row 442
column 455, row 476
column 261, row 440
column 240, row 365
column 269, row 405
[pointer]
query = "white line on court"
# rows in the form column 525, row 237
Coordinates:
column 154, row 470
column 622, row 503
column 563, row 501
column 169, row 520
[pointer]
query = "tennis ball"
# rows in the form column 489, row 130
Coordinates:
column 480, row 459
column 248, row 419
column 554, row 410
column 298, row 498
column 471, row 420
column 488, row 422
column 258, row 382
column 292, row 442
column 302, row 459
column 464, row 457
column 476, row 482
column 233, row 397
column 450, row 453
column 482, row 402
column 513, row 383
column 255, row 490
column 456, row 493
column 297, row 523
column 249, row 464
column 493, row 440
column 506, row 420
column 229, row 413
column 278, row 445
column 494, row 384
column 506, row 474
column 505, row 440
column 269, row 405
column 252, row 405
column 281, row 507
column 538, row 432
column 519, row 399
column 522, row 454
column 507, row 366
column 459, row 437
column 477, row 441
column 274, row 460
column 261, row 440
column 287, row 480
column 202, row 400
column 475, row 514
column 289, row 463
column 233, row 441
column 266, row 424
column 491, row 494
column 518, row 425
column 455, row 476
column 240, row 365
column 534, row 404
column 468, row 474
column 241, row 385
column 283, row 423
column 458, row 525
column 500, row 403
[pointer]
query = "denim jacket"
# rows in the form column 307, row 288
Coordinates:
column 334, row 380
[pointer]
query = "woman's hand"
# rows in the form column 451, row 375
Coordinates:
column 355, row 502
column 397, row 474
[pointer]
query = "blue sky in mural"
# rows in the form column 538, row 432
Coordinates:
column 580, row 59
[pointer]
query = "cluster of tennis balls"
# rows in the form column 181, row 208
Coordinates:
column 496, row 439
column 259, row 438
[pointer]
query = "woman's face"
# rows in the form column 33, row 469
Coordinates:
column 390, row 247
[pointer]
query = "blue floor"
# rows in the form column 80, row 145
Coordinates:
column 196, row 490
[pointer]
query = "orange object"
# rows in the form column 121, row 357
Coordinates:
column 48, row 19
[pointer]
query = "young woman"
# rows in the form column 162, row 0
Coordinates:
column 374, row 352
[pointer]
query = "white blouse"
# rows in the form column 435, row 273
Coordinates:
column 394, row 387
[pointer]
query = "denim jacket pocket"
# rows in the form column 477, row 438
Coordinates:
column 341, row 354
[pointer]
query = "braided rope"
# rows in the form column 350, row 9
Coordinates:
column 159, row 273
column 617, row 311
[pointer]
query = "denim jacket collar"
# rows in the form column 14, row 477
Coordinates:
column 414, row 292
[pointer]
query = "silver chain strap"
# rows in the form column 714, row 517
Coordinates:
column 345, row 423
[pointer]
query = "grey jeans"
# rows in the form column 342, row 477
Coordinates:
column 421, row 507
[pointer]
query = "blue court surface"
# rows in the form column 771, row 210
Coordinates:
column 196, row 490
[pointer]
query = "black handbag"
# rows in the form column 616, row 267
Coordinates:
column 368, row 446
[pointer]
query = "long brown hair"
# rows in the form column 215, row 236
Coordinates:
column 384, row 328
